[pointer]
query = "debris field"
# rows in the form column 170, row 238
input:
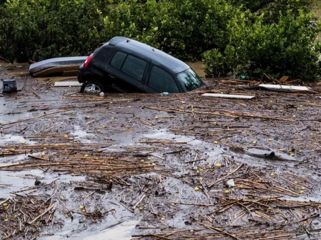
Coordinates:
column 181, row 166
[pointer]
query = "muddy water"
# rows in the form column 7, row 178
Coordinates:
column 122, row 231
column 25, row 181
column 121, row 223
column 13, row 139
column 81, row 135
column 169, row 140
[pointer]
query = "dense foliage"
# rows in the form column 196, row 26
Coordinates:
column 39, row 29
column 273, row 6
column 265, row 36
column 256, row 48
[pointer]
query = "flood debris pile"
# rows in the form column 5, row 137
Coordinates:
column 183, row 166
column 22, row 217
column 258, row 205
column 247, row 123
column 77, row 159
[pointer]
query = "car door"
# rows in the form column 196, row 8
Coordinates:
column 161, row 80
column 128, row 72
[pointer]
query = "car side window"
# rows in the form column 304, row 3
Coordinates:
column 134, row 67
column 118, row 60
column 162, row 81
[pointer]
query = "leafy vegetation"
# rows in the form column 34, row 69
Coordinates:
column 256, row 48
column 39, row 29
column 274, row 7
column 274, row 37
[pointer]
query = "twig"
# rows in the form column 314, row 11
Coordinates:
column 150, row 236
column 141, row 198
column 221, row 231
column 38, row 158
column 195, row 204
column 42, row 214
column 206, row 192
column 4, row 201
column 224, row 113
column 226, row 176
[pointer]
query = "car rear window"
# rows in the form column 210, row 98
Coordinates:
column 118, row 60
column 162, row 81
column 134, row 67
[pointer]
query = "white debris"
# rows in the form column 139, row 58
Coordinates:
column 285, row 88
column 217, row 95
column 68, row 84
column 230, row 183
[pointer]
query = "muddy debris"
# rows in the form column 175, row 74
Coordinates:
column 93, row 163
column 143, row 166
column 22, row 217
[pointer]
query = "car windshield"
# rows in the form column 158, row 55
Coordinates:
column 189, row 80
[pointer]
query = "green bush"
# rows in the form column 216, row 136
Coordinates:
column 255, row 47
column 38, row 29
column 254, row 37
column 273, row 7
column 216, row 64
column 183, row 28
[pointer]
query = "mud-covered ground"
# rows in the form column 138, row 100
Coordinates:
column 146, row 166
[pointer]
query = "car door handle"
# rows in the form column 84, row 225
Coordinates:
column 111, row 76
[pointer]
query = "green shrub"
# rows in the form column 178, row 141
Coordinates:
column 274, row 7
column 216, row 64
column 38, row 29
column 183, row 28
column 254, row 37
column 287, row 47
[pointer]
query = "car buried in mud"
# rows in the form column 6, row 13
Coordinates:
column 126, row 65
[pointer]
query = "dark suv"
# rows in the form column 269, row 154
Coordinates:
column 127, row 65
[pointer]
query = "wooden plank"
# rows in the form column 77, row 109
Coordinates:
column 218, row 95
column 68, row 84
column 289, row 88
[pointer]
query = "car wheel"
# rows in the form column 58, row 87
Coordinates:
column 92, row 87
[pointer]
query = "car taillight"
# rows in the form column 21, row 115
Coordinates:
column 88, row 60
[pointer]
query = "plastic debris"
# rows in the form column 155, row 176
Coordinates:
column 219, row 95
column 57, row 66
column 286, row 88
column 218, row 165
column 9, row 86
column 67, row 84
column 230, row 183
